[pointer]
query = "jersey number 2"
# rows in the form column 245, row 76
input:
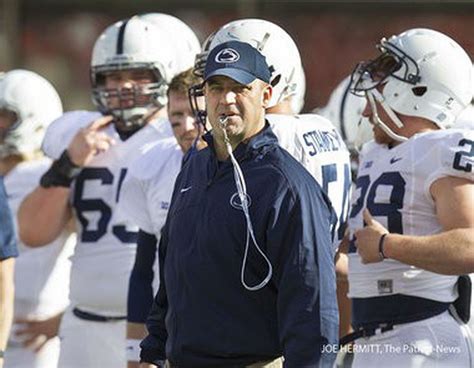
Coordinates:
column 468, row 154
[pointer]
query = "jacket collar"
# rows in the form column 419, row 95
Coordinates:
column 258, row 144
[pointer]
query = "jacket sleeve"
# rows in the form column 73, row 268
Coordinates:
column 305, row 276
column 153, row 346
column 140, row 289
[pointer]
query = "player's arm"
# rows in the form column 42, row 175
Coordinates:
column 140, row 295
column 45, row 212
column 153, row 345
column 450, row 252
column 42, row 215
column 342, row 283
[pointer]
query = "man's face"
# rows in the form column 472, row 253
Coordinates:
column 243, row 105
column 7, row 119
column 185, row 127
column 130, row 83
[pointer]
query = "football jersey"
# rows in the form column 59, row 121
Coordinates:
column 315, row 143
column 41, row 274
column 106, row 238
column 394, row 185
column 146, row 193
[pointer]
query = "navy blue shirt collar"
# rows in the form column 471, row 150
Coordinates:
column 258, row 144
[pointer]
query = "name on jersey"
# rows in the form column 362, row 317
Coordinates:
column 322, row 141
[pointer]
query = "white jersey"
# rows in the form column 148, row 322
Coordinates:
column 315, row 143
column 41, row 274
column 146, row 194
column 106, row 241
column 394, row 185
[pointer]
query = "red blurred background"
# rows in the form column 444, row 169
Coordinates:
column 55, row 38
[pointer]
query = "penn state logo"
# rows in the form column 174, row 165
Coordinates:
column 227, row 56
column 237, row 203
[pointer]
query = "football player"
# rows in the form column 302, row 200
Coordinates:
column 414, row 180
column 344, row 110
column 309, row 138
column 28, row 104
column 132, row 64
column 146, row 193
column 146, row 196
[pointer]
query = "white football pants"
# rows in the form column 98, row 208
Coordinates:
column 88, row 344
column 439, row 341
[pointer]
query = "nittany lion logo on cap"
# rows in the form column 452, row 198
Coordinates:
column 227, row 56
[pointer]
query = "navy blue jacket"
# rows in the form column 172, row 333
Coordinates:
column 7, row 231
column 202, row 316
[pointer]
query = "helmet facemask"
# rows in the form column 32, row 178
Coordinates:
column 369, row 78
column 30, row 103
column 424, row 74
column 131, row 107
column 8, row 114
column 195, row 93
column 132, row 45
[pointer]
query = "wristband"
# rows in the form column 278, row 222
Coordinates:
column 2, row 354
column 61, row 173
column 132, row 350
column 381, row 245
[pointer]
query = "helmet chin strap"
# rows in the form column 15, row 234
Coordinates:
column 375, row 95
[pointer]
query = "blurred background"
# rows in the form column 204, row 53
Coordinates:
column 55, row 37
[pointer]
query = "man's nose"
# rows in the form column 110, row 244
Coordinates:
column 128, row 84
column 228, row 96
column 367, row 112
column 189, row 124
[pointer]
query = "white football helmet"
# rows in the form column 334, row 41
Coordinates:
column 132, row 44
column 425, row 74
column 36, row 104
column 186, row 41
column 344, row 110
column 297, row 101
column 273, row 42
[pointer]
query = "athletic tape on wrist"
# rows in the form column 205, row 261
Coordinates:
column 132, row 349
column 61, row 173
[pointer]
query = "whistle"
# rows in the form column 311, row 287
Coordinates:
column 223, row 120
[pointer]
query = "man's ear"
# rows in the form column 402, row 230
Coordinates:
column 266, row 95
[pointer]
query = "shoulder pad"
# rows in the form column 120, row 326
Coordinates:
column 152, row 159
column 62, row 130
